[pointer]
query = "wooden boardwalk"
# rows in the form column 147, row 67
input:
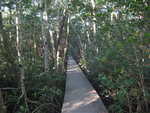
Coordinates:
column 80, row 96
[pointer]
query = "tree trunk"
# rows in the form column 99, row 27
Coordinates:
column 2, row 106
column 18, row 42
column 94, row 18
column 53, row 44
column 61, row 44
column 18, row 33
column 44, row 19
column 1, row 26
column 23, row 89
column 1, row 38
column 129, row 103
column 1, row 21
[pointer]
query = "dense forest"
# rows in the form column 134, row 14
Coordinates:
column 110, row 40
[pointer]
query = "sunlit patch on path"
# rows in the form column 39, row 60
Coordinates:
column 80, row 97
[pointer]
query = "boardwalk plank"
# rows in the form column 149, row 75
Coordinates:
column 80, row 96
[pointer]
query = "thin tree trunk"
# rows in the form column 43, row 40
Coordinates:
column 138, row 108
column 52, row 43
column 61, row 44
column 94, row 18
column 18, row 42
column 1, row 28
column 10, row 22
column 129, row 103
column 44, row 19
column 1, row 20
column 23, row 89
column 2, row 106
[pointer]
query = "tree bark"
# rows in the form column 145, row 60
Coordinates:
column 23, row 89
column 44, row 20
column 61, row 43
column 94, row 18
column 18, row 33
column 18, row 42
column 2, row 106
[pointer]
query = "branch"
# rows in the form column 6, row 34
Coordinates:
column 32, row 101
column 17, row 103
column 8, row 88
column 45, row 104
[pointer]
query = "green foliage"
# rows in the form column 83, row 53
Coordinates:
column 41, row 87
column 117, row 56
